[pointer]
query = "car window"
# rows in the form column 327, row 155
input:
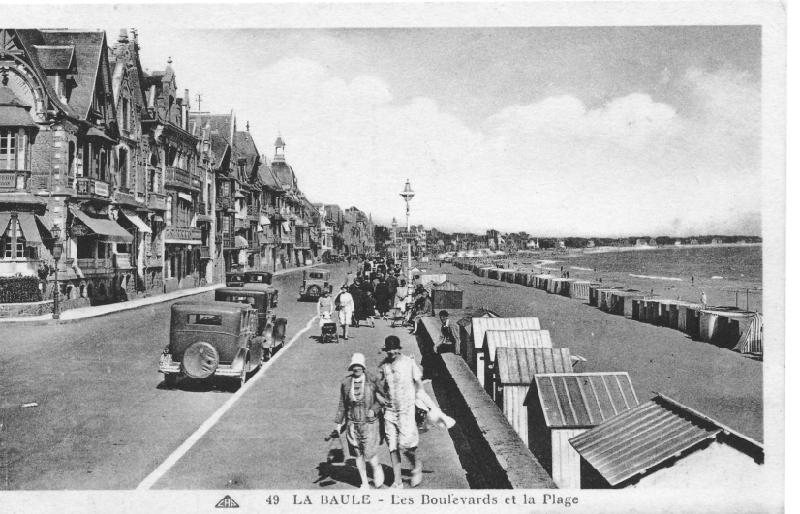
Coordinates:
column 204, row 319
column 316, row 275
column 250, row 300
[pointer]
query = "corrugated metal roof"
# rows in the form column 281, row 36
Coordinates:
column 576, row 400
column 638, row 440
column 494, row 339
column 517, row 366
column 481, row 325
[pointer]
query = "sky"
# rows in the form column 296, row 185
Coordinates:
column 599, row 131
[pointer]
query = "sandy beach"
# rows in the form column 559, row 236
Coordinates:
column 723, row 384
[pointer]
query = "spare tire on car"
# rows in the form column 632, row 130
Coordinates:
column 200, row 360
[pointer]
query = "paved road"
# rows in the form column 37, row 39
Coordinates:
column 104, row 420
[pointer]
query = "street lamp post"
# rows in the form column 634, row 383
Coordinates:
column 407, row 195
column 394, row 239
column 57, row 249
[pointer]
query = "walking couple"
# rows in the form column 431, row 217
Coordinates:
column 393, row 397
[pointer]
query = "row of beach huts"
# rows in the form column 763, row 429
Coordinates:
column 588, row 429
column 726, row 327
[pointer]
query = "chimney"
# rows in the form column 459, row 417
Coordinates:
column 185, row 110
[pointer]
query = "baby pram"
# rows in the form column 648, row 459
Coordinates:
column 328, row 328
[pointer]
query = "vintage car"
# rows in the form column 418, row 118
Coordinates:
column 315, row 281
column 234, row 279
column 258, row 277
column 263, row 302
column 212, row 339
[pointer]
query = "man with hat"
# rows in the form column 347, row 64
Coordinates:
column 359, row 406
column 400, row 378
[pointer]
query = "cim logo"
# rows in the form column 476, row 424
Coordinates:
column 227, row 503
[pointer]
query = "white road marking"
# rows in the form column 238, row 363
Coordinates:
column 175, row 456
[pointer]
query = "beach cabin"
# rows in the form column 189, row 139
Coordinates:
column 447, row 296
column 563, row 406
column 479, row 328
column 515, row 369
column 467, row 347
column 494, row 339
column 579, row 289
column 751, row 334
column 663, row 443
column 621, row 302
column 425, row 280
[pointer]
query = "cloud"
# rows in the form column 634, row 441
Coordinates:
column 631, row 165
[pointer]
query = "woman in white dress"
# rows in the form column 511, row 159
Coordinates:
column 345, row 306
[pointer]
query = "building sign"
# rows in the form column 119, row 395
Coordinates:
column 100, row 188
column 182, row 233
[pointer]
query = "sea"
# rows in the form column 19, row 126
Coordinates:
column 740, row 263
column 728, row 275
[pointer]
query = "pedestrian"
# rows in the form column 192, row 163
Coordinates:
column 367, row 309
column 448, row 336
column 401, row 297
column 324, row 307
column 358, row 414
column 399, row 380
column 703, row 298
column 423, row 309
column 383, row 298
column 345, row 306
column 692, row 279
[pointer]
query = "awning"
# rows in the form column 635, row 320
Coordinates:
column 158, row 218
column 184, row 196
column 263, row 220
column 241, row 242
column 105, row 229
column 27, row 223
column 95, row 132
column 136, row 220
column 285, row 226
column 239, row 194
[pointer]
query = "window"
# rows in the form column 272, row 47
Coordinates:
column 8, row 149
column 101, row 250
column 13, row 242
column 204, row 319
column 85, row 248
column 71, row 162
column 103, row 164
column 123, row 168
column 125, row 114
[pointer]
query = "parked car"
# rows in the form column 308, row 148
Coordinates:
column 314, row 282
column 234, row 279
column 263, row 301
column 213, row 339
column 258, row 280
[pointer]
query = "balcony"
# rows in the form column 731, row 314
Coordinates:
column 205, row 252
column 287, row 239
column 254, row 245
column 14, row 180
column 252, row 211
column 124, row 198
column 156, row 201
column 91, row 188
column 95, row 266
column 268, row 210
column 228, row 241
column 240, row 224
column 180, row 178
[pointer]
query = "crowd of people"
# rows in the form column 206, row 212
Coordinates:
column 375, row 291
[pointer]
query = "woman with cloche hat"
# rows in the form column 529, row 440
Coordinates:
column 359, row 407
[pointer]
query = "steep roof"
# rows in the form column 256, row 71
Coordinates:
column 88, row 59
column 29, row 39
column 220, row 126
column 636, row 441
column 284, row 174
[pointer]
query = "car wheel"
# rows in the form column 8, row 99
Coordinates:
column 313, row 292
